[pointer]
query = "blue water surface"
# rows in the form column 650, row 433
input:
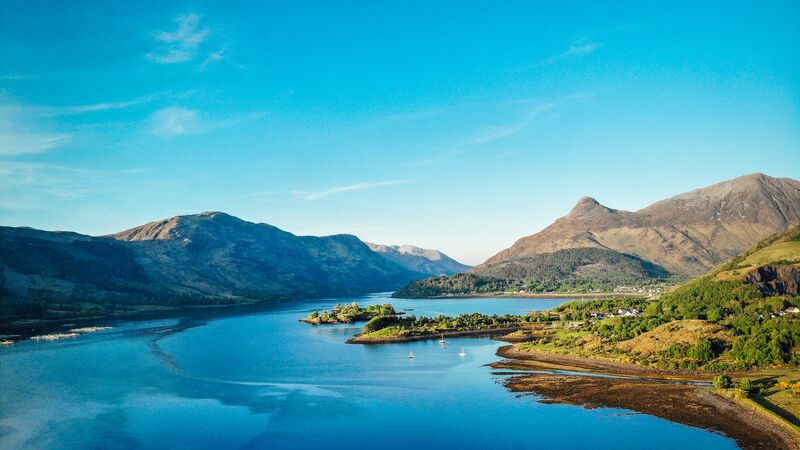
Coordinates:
column 264, row 380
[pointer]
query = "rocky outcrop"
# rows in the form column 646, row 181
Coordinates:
column 775, row 279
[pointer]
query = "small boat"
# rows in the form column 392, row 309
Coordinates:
column 442, row 341
column 410, row 355
column 462, row 353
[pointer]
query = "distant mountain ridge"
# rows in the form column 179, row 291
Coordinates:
column 683, row 236
column 203, row 258
column 425, row 261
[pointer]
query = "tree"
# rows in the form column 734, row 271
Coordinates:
column 746, row 387
column 714, row 315
column 702, row 351
column 653, row 309
column 723, row 382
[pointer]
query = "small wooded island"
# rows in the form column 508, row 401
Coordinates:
column 385, row 325
column 349, row 314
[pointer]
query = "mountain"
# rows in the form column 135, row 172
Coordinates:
column 683, row 236
column 195, row 259
column 425, row 261
column 687, row 234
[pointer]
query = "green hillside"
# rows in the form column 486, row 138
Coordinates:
column 783, row 249
column 575, row 270
column 761, row 327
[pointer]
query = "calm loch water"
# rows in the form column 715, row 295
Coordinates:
column 263, row 380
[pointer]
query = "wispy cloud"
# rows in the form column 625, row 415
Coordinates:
column 308, row 196
column 104, row 106
column 15, row 77
column 12, row 143
column 394, row 118
column 581, row 47
column 22, row 129
column 182, row 44
column 524, row 112
column 492, row 133
column 174, row 121
column 21, row 133
column 36, row 183
column 90, row 108
column 213, row 57
column 576, row 49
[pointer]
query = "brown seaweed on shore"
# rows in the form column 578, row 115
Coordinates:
column 681, row 403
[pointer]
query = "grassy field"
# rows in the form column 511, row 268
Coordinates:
column 777, row 400
column 780, row 394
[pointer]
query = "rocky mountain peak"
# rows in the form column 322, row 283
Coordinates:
column 587, row 206
column 586, row 201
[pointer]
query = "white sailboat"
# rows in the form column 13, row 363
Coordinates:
column 462, row 352
column 410, row 355
column 442, row 341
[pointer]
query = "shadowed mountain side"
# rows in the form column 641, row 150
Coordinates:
column 200, row 259
column 70, row 267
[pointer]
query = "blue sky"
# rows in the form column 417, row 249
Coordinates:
column 460, row 126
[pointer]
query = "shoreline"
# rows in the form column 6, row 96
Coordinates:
column 29, row 327
column 491, row 332
column 662, row 393
column 26, row 328
column 545, row 295
column 601, row 366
